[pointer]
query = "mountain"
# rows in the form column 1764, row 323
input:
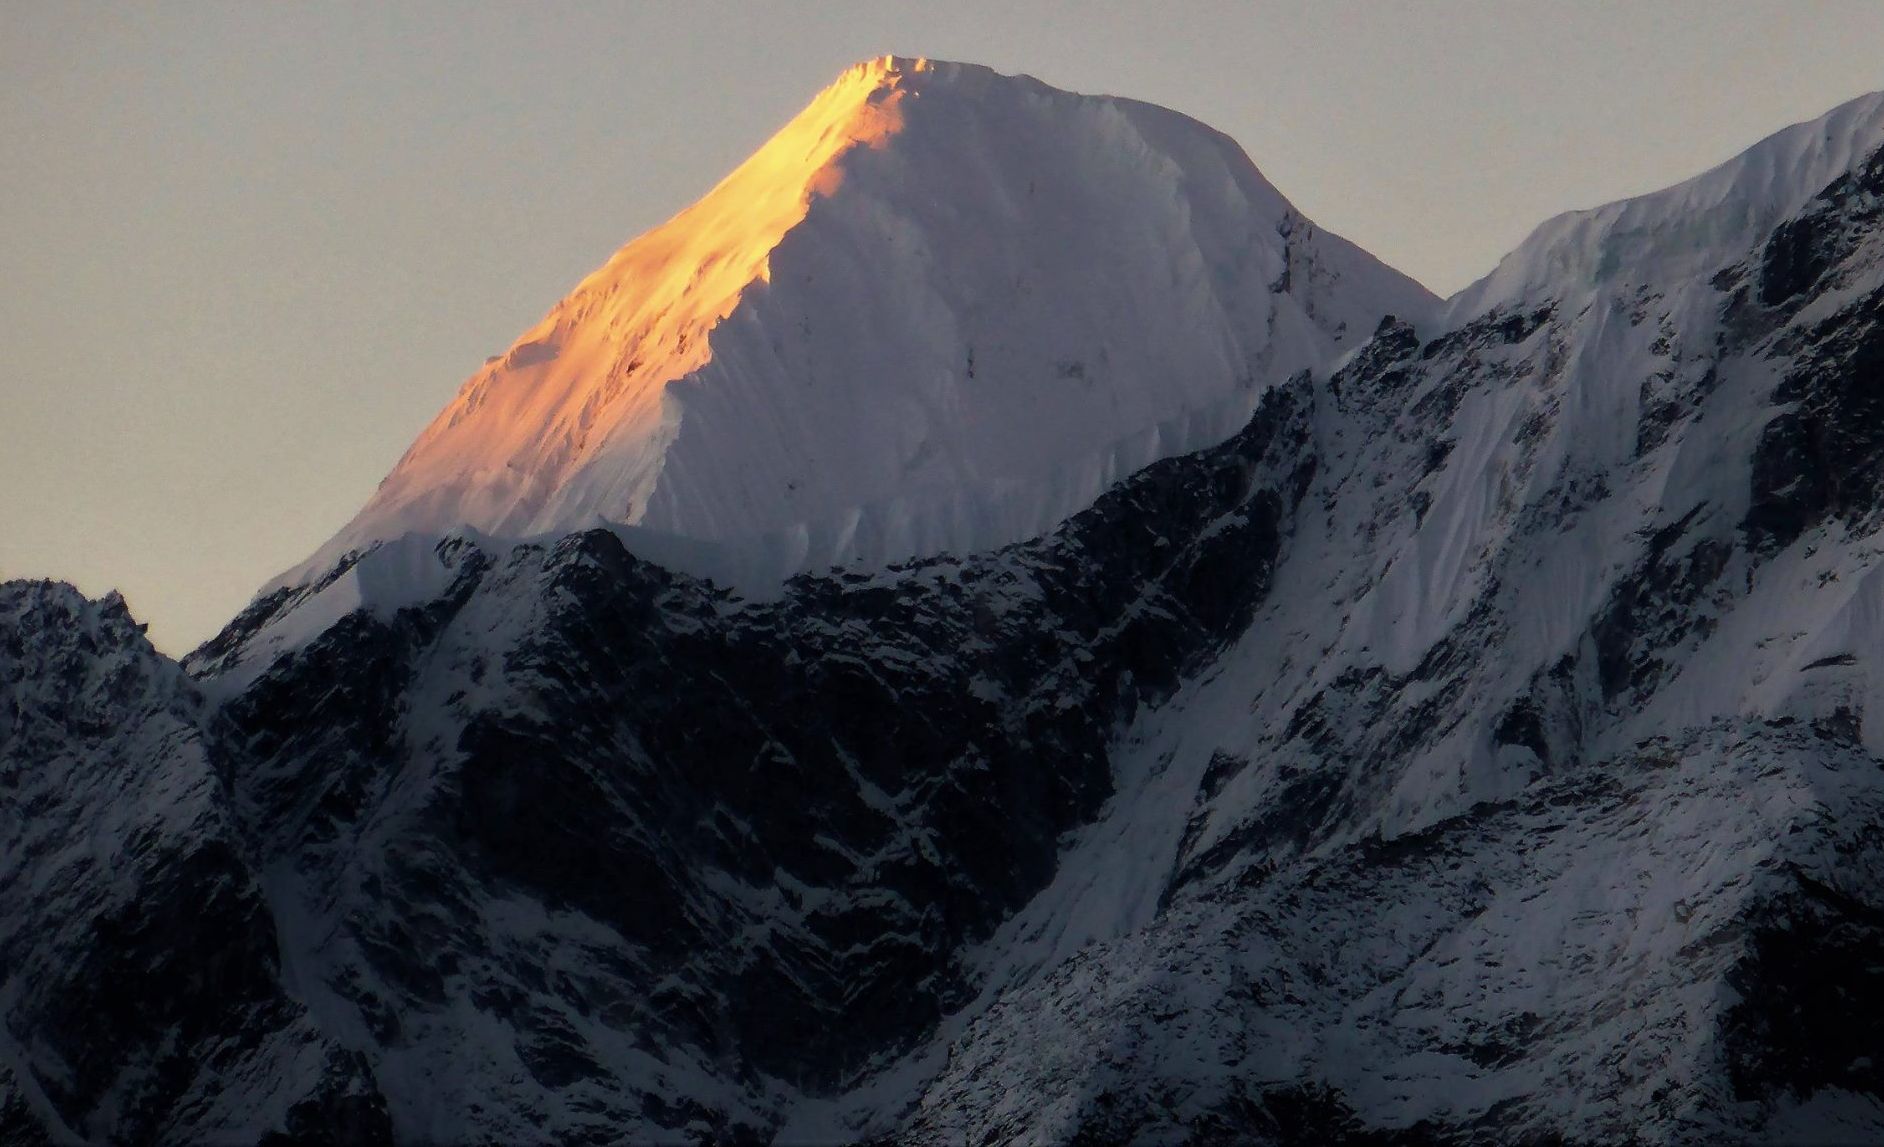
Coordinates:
column 1478, row 745
column 940, row 310
column 144, row 996
column 1541, row 802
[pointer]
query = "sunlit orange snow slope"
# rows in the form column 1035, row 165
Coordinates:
column 595, row 367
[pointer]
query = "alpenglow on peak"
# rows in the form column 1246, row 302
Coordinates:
column 940, row 310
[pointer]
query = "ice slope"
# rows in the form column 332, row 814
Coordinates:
column 940, row 310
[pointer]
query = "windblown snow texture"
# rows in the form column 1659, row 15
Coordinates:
column 1480, row 745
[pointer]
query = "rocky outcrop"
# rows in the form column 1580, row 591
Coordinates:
column 143, row 998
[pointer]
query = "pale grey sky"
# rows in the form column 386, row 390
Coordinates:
column 247, row 250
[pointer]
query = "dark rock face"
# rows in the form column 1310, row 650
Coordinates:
column 140, row 948
column 1653, row 608
column 789, row 817
column 1797, row 1034
column 1820, row 456
column 1803, row 251
column 900, row 753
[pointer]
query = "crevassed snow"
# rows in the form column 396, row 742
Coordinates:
column 942, row 310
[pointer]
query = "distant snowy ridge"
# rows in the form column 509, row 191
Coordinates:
column 1691, row 228
column 941, row 310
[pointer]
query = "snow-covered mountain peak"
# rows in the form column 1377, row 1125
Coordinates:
column 1690, row 229
column 1483, row 744
column 941, row 309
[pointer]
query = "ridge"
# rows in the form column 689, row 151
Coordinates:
column 1689, row 228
